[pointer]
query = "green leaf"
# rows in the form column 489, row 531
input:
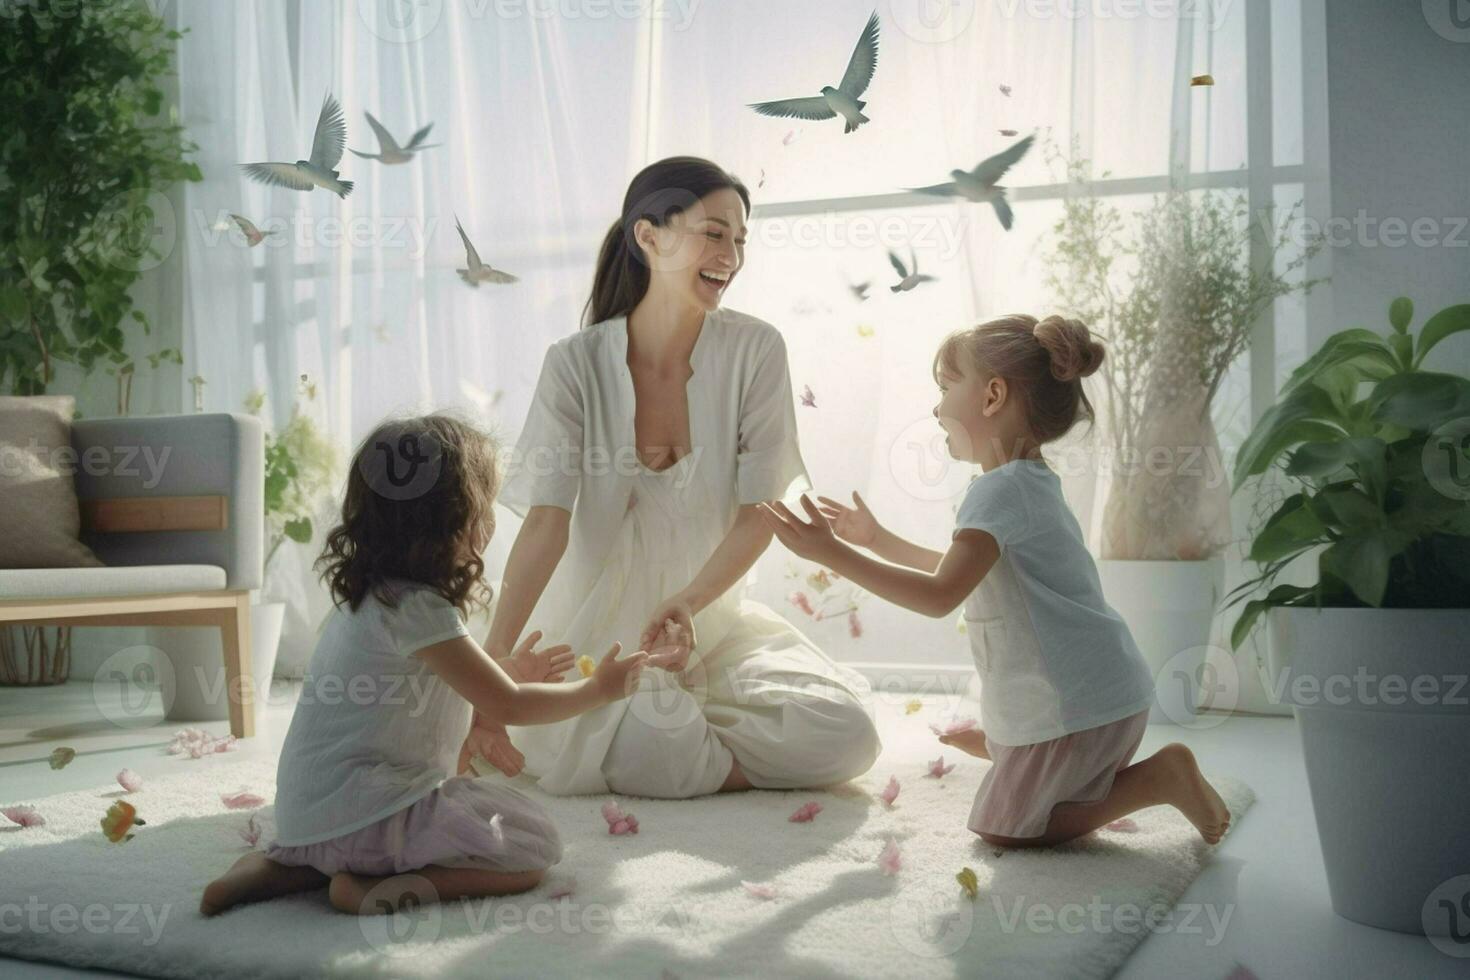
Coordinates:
column 1363, row 348
column 1451, row 319
column 1361, row 562
column 1292, row 529
column 1281, row 595
column 1400, row 312
column 1304, row 415
column 298, row 530
column 1419, row 400
column 1352, row 507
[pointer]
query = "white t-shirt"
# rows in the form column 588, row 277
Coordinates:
column 1053, row 656
column 375, row 730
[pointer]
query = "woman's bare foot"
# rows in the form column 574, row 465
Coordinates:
column 256, row 878
column 971, row 741
column 1188, row 790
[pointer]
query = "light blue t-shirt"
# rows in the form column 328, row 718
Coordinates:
column 1053, row 656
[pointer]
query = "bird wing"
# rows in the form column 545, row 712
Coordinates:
column 1002, row 210
column 897, row 264
column 495, row 275
column 813, row 108
column 949, row 189
column 331, row 135
column 913, row 261
column 864, row 59
column 386, row 143
column 246, row 225
column 993, row 168
column 278, row 175
column 472, row 258
column 419, row 137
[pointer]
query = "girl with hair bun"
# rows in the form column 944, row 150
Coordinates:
column 1064, row 691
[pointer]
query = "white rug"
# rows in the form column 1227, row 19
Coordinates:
column 669, row 899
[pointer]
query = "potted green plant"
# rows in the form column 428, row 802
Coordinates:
column 84, row 154
column 300, row 468
column 1372, row 652
column 1175, row 297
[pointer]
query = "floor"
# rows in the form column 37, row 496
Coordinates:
column 1267, row 876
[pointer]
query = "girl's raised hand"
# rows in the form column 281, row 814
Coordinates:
column 527, row 665
column 855, row 524
column 813, row 541
column 619, row 678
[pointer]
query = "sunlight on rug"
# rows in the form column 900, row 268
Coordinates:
column 671, row 900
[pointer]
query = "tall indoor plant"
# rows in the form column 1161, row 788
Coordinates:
column 1372, row 653
column 84, row 153
column 1175, row 295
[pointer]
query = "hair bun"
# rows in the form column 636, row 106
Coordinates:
column 1074, row 352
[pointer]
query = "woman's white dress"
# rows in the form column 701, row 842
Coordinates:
column 755, row 688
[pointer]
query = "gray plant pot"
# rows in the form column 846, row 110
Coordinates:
column 1383, row 705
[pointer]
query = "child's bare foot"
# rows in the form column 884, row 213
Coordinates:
column 255, row 878
column 971, row 741
column 1187, row 789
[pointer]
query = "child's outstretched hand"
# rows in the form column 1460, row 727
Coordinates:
column 490, row 742
column 527, row 665
column 855, row 525
column 616, row 678
column 813, row 541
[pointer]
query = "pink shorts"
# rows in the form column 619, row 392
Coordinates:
column 1025, row 781
column 453, row 827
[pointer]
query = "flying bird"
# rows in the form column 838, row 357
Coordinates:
column 979, row 185
column 840, row 101
column 478, row 271
column 1005, row 90
column 860, row 289
column 326, row 151
column 253, row 235
column 388, row 149
column 1008, row 132
column 807, row 398
column 909, row 277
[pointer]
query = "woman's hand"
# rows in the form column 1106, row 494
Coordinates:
column 491, row 742
column 616, row 678
column 669, row 636
column 528, row 665
column 855, row 525
column 813, row 541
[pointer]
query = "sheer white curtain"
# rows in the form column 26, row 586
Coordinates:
column 545, row 118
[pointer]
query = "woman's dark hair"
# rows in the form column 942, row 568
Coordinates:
column 659, row 191
column 417, row 489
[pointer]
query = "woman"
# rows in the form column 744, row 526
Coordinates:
column 653, row 434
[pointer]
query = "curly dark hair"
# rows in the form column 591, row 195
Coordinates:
column 419, row 489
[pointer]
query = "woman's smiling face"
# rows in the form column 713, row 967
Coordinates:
column 697, row 254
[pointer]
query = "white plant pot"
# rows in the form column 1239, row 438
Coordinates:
column 194, row 690
column 1381, row 700
column 1169, row 607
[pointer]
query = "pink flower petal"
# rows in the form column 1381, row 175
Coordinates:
column 251, row 833
column 954, row 726
column 759, row 890
column 1123, row 825
column 854, row 625
column 800, row 601
column 890, row 792
column 196, row 743
column 618, row 822
column 805, row 812
column 938, row 769
column 889, row 862
column 242, row 801
column 26, row 816
column 130, row 780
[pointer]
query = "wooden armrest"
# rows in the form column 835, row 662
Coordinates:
column 121, row 515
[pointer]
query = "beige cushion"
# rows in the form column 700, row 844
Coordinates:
column 39, row 521
column 68, row 583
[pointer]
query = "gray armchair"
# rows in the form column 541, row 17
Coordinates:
column 173, row 506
